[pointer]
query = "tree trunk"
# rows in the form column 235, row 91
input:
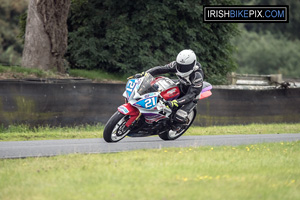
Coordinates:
column 46, row 34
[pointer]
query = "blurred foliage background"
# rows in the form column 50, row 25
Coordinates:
column 10, row 44
column 133, row 36
column 270, row 48
column 126, row 37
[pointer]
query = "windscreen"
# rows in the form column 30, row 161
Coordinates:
column 151, row 84
column 146, row 86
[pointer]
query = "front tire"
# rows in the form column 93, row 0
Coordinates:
column 173, row 135
column 115, row 129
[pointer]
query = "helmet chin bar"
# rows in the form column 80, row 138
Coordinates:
column 183, row 68
column 184, row 75
column 187, row 73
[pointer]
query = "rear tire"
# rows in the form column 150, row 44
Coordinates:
column 115, row 129
column 173, row 135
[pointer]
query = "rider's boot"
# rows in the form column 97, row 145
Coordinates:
column 177, row 125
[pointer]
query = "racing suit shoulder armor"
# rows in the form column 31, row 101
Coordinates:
column 197, row 79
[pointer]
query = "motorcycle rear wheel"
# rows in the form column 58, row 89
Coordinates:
column 173, row 135
column 115, row 129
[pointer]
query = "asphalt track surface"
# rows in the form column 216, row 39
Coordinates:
column 23, row 149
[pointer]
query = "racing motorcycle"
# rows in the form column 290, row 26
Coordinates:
column 146, row 111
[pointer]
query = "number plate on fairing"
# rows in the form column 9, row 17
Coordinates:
column 147, row 103
column 130, row 86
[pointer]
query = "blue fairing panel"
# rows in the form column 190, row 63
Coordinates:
column 130, row 86
column 147, row 103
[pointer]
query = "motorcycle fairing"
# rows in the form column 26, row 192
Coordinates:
column 142, row 96
column 205, row 94
column 122, row 109
column 205, row 91
column 130, row 87
column 171, row 93
column 153, row 117
column 128, row 109
column 147, row 103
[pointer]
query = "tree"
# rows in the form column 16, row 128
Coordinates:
column 266, row 53
column 131, row 36
column 46, row 34
column 10, row 46
column 290, row 30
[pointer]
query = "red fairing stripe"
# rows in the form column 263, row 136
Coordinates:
column 171, row 93
column 128, row 109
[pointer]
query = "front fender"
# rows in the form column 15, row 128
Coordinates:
column 128, row 109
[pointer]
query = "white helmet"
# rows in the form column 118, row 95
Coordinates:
column 185, row 62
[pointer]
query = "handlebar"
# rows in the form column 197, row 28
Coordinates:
column 167, row 103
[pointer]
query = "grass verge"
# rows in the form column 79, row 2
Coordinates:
column 262, row 171
column 98, row 75
column 24, row 132
column 17, row 72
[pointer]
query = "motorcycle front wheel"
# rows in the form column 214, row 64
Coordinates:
column 173, row 135
column 115, row 129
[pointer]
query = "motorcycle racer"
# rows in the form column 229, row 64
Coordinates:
column 150, row 107
column 190, row 75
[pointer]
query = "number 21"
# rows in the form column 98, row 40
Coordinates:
column 150, row 102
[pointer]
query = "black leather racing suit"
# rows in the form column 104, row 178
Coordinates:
column 189, row 86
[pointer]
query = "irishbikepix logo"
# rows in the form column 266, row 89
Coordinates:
column 244, row 14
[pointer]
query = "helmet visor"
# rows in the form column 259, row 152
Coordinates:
column 185, row 68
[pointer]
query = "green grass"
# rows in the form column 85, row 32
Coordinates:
column 26, row 72
column 24, row 132
column 263, row 171
column 246, row 129
column 97, row 75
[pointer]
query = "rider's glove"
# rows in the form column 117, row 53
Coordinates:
column 173, row 104
column 137, row 76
